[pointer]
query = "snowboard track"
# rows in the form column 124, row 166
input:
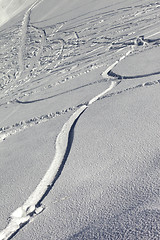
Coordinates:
column 32, row 206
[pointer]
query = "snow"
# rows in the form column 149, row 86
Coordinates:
column 79, row 127
column 9, row 8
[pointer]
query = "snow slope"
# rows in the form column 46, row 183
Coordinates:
column 10, row 8
column 79, row 106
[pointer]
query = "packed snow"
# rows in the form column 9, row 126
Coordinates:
column 79, row 126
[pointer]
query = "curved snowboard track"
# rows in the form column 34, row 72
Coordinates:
column 23, row 214
column 32, row 206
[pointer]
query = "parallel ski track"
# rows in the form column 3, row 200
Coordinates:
column 24, row 27
column 25, row 24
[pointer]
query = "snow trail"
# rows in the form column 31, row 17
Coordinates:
column 31, row 207
column 105, row 74
column 23, row 214
column 112, row 85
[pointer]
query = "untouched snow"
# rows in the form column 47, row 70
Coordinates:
column 79, row 80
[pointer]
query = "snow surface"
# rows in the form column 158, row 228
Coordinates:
column 10, row 8
column 79, row 107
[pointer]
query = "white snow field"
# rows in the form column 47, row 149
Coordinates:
column 80, row 120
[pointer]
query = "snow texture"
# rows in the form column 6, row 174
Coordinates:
column 82, row 76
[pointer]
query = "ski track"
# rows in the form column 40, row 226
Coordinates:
column 24, row 28
column 145, row 84
column 33, row 205
column 67, row 43
column 25, row 24
column 24, row 124
column 18, row 127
